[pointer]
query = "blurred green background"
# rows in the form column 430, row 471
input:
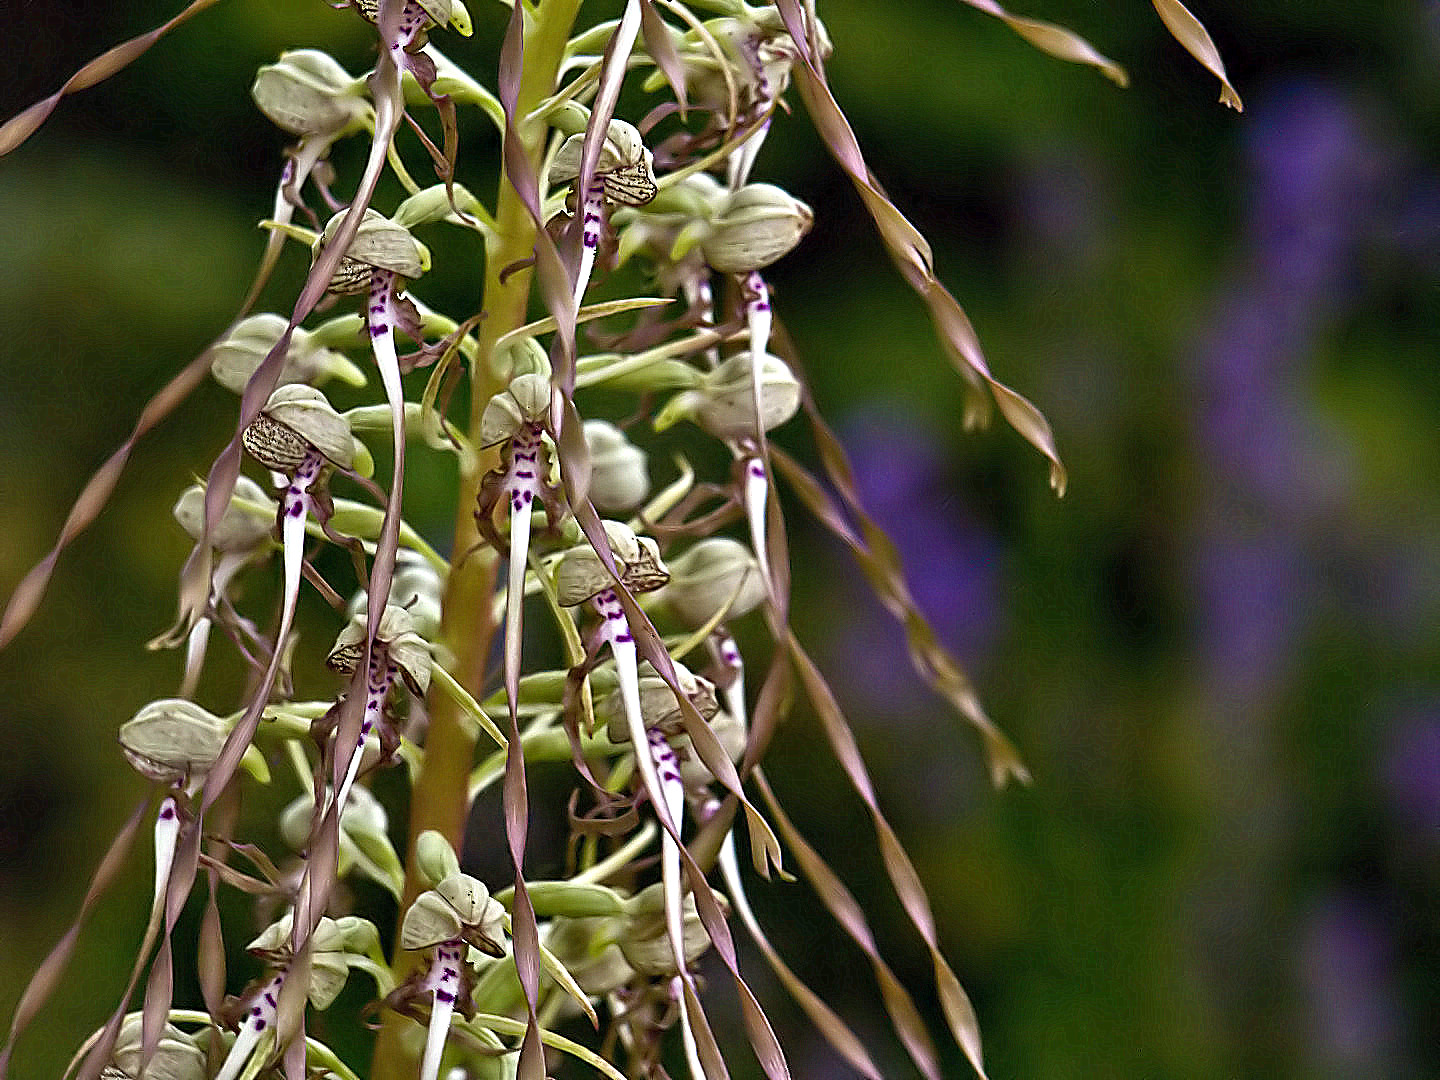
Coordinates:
column 1219, row 653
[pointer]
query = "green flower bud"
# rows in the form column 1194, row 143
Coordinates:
column 658, row 706
column 307, row 92
column 416, row 586
column 238, row 529
column 525, row 401
column 619, row 479
column 432, row 204
column 757, row 225
column 435, row 857
column 296, row 418
column 730, row 731
column 581, row 575
column 176, row 1057
column 364, row 838
column 379, row 244
column 644, row 941
column 587, row 947
column 358, row 936
column 713, row 574
column 523, row 356
column 724, row 404
column 625, row 165
column 404, row 648
column 235, row 359
column 172, row 740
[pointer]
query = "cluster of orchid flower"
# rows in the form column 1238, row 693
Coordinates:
column 660, row 749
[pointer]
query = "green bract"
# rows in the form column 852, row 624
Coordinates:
column 235, row 357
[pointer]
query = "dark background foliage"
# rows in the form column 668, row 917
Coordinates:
column 1218, row 653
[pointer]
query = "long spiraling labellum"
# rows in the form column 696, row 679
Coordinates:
column 379, row 679
column 659, row 769
column 443, row 979
column 757, row 495
column 263, row 1008
column 521, row 486
column 592, row 224
column 667, row 768
column 167, row 832
column 735, row 692
column 295, row 506
column 199, row 640
column 380, row 317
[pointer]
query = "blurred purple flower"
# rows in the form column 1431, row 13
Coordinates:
column 1314, row 182
column 1412, row 775
column 1346, row 966
column 950, row 561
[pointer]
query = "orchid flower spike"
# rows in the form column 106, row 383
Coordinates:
column 624, row 173
column 299, row 435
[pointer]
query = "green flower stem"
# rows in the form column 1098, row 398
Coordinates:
column 441, row 800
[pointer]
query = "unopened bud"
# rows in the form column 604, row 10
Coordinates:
column 236, row 358
column 295, row 419
column 523, row 356
column 582, row 575
column 239, row 529
column 724, row 403
column 757, row 225
column 175, row 1058
column 307, row 92
column 379, row 244
column 435, row 857
column 715, row 574
column 644, row 941
column 619, row 479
